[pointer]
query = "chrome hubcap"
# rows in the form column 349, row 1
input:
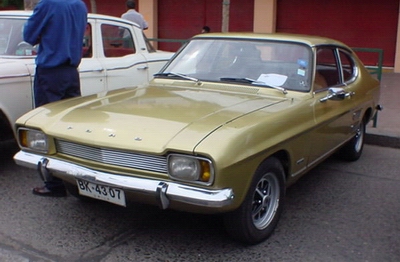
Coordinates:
column 359, row 138
column 265, row 201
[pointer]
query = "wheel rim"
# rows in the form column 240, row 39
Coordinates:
column 359, row 138
column 265, row 201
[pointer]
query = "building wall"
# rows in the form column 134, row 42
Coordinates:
column 176, row 24
column 358, row 23
column 264, row 16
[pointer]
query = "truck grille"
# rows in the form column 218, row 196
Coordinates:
column 114, row 157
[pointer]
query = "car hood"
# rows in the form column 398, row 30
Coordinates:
column 148, row 119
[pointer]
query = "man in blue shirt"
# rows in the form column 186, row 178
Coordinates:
column 58, row 26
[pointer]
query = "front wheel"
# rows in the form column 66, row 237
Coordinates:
column 258, row 215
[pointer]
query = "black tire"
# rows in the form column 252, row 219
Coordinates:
column 258, row 215
column 73, row 190
column 352, row 150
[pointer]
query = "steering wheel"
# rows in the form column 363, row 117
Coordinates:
column 25, row 49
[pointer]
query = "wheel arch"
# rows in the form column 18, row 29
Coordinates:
column 257, row 216
column 6, row 131
column 368, row 115
column 284, row 157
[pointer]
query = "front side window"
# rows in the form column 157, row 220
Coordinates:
column 117, row 41
column 327, row 69
column 13, row 44
column 11, row 40
column 87, row 48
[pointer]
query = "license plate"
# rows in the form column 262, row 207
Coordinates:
column 102, row 192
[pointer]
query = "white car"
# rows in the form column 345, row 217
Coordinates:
column 116, row 54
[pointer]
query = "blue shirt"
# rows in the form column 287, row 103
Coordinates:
column 58, row 26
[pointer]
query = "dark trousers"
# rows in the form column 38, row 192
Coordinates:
column 54, row 84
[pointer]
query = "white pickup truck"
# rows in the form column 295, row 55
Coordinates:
column 116, row 54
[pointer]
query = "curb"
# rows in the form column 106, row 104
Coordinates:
column 384, row 140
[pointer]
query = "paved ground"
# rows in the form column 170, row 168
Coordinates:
column 340, row 211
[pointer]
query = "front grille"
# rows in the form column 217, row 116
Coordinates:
column 114, row 157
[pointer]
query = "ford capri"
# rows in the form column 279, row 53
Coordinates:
column 226, row 126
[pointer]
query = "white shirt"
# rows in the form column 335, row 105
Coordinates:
column 135, row 17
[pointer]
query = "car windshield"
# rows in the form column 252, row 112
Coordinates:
column 11, row 41
column 278, row 64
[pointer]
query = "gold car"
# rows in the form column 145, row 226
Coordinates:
column 225, row 127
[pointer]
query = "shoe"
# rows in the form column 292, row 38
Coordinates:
column 44, row 191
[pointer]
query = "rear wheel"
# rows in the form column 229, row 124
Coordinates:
column 352, row 150
column 257, row 217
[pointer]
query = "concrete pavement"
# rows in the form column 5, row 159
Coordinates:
column 387, row 130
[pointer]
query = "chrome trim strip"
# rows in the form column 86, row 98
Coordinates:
column 299, row 172
column 330, row 152
column 121, row 67
column 128, row 66
column 99, row 70
column 165, row 192
column 14, row 76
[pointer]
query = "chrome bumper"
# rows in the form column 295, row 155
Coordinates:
column 164, row 192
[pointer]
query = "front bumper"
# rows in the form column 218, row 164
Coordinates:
column 164, row 192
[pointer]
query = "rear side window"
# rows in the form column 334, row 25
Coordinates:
column 347, row 66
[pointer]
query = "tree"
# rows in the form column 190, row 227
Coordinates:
column 225, row 15
column 12, row 3
column 30, row 4
column 93, row 6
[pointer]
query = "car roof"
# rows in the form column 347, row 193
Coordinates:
column 298, row 38
column 25, row 13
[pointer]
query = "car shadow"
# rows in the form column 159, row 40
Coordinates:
column 7, row 151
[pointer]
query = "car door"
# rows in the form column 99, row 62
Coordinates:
column 121, row 56
column 92, row 73
column 335, row 121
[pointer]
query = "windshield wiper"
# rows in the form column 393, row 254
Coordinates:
column 251, row 81
column 178, row 75
column 238, row 79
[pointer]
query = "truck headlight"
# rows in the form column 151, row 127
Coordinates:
column 33, row 140
column 191, row 169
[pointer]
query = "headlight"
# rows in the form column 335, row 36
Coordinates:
column 191, row 169
column 33, row 140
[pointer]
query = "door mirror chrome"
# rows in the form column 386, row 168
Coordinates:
column 336, row 94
